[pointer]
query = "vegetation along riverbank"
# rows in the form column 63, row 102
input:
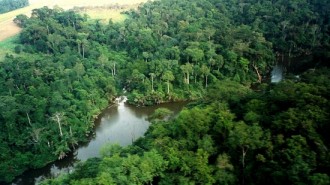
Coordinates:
column 66, row 67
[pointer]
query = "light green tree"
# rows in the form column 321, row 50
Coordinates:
column 168, row 77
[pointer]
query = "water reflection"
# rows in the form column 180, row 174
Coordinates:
column 50, row 171
column 120, row 124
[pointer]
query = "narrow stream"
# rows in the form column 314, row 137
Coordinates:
column 120, row 124
column 277, row 74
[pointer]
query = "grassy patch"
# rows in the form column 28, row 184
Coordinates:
column 107, row 12
column 10, row 42
column 8, row 45
column 9, row 29
column 105, row 15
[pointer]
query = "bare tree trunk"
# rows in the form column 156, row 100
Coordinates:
column 114, row 69
column 28, row 117
column 185, row 78
column 188, row 78
column 257, row 71
column 71, row 132
column 79, row 48
column 205, row 81
column 243, row 163
column 83, row 51
column 36, row 134
column 152, row 83
column 47, row 29
column 59, row 124
column 243, row 157
column 57, row 118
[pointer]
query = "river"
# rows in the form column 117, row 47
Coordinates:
column 120, row 123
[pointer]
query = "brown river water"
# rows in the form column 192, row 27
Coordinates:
column 120, row 123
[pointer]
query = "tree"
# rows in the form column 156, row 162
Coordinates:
column 186, row 69
column 78, row 41
column 21, row 20
column 9, row 5
column 224, row 39
column 146, row 56
column 152, row 76
column 54, row 41
column 79, row 69
column 58, row 117
column 113, row 67
column 195, row 54
column 205, row 72
column 103, row 60
column 84, row 43
column 168, row 76
column 160, row 114
column 246, row 138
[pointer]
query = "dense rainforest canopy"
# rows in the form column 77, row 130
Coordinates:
column 67, row 68
column 277, row 135
column 9, row 5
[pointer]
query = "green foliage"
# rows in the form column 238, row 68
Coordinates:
column 110, row 150
column 45, row 111
column 21, row 20
column 9, row 5
column 8, row 46
column 68, row 68
column 227, row 91
column 131, row 169
column 160, row 114
column 88, row 169
column 49, row 102
column 211, row 143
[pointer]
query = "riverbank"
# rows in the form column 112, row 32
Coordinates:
column 120, row 123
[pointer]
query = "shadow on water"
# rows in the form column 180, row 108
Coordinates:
column 51, row 170
column 120, row 124
column 144, row 112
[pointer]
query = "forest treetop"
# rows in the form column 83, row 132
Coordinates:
column 9, row 5
column 67, row 68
